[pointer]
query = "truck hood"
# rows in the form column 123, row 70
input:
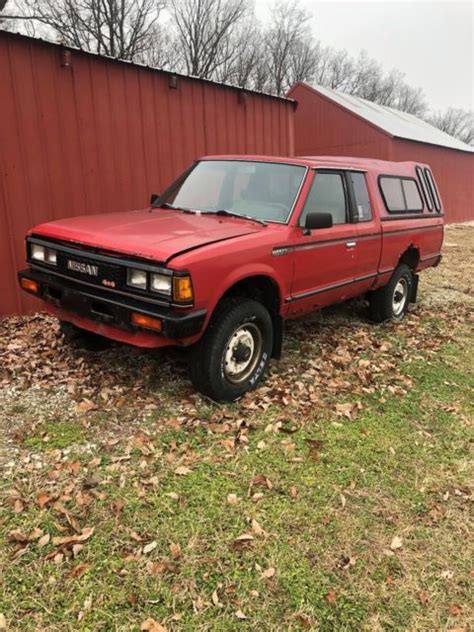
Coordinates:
column 159, row 234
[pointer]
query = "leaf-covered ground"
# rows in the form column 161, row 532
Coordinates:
column 336, row 497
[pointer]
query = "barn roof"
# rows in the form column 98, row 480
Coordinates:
column 118, row 60
column 394, row 122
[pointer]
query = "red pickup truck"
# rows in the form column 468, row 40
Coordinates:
column 233, row 248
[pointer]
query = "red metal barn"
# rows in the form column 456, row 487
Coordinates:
column 83, row 134
column 332, row 123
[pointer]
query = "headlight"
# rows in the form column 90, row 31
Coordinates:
column 38, row 252
column 137, row 278
column 51, row 256
column 161, row 283
column 47, row 255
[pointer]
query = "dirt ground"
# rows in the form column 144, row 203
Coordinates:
column 334, row 498
column 453, row 280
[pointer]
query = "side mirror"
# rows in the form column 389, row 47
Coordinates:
column 153, row 198
column 318, row 220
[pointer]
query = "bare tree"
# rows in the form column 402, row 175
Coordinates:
column 241, row 53
column 456, row 122
column 204, row 30
column 410, row 100
column 289, row 49
column 119, row 28
column 339, row 68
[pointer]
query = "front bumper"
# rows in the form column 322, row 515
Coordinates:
column 114, row 310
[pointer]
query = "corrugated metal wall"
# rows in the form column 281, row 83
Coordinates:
column 323, row 127
column 101, row 135
column 454, row 172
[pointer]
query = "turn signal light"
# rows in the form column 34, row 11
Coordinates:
column 29, row 286
column 148, row 322
column 182, row 289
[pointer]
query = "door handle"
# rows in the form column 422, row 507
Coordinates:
column 351, row 244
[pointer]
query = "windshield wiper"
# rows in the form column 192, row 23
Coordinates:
column 224, row 211
column 184, row 209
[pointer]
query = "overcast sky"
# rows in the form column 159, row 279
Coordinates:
column 431, row 42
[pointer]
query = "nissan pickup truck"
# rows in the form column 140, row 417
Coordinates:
column 233, row 248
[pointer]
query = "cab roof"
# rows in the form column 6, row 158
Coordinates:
column 346, row 162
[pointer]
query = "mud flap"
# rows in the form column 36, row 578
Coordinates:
column 278, row 329
column 414, row 288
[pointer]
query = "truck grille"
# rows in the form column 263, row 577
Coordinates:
column 96, row 267
column 90, row 270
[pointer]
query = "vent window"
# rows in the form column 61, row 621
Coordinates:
column 400, row 195
column 424, row 187
column 433, row 189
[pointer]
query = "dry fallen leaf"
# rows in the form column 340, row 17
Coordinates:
column 182, row 470
column 240, row 615
column 232, row 499
column 396, row 543
column 454, row 610
column 151, row 546
column 261, row 480
column 269, row 572
column 423, row 597
column 331, row 596
column 3, row 622
column 43, row 541
column 79, row 570
column 152, row 626
column 18, row 536
column 86, row 405
column 304, row 621
column 43, row 499
column 156, row 568
column 172, row 495
column 74, row 539
column 175, row 551
column 257, row 529
column 244, row 537
column 244, row 541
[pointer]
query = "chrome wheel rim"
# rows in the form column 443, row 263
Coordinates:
column 400, row 296
column 242, row 353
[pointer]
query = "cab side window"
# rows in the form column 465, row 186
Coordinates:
column 327, row 195
column 363, row 210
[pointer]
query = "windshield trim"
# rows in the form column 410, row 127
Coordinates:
column 268, row 162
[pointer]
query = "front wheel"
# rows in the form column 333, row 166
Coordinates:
column 233, row 354
column 391, row 301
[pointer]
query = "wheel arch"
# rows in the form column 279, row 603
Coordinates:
column 265, row 289
column 411, row 257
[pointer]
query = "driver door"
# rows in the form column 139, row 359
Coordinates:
column 324, row 258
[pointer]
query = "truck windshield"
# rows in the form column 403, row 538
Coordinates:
column 262, row 190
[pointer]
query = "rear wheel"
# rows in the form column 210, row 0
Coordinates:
column 83, row 339
column 391, row 301
column 233, row 354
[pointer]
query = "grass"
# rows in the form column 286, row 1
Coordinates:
column 329, row 519
column 349, row 474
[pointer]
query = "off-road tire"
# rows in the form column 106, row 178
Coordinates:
column 208, row 373
column 82, row 339
column 382, row 300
